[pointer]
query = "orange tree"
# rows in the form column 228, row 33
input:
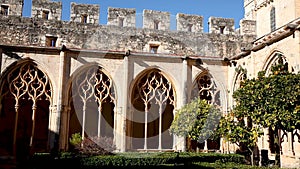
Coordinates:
column 237, row 128
column 197, row 120
column 268, row 101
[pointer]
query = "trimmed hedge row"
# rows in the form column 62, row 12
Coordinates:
column 129, row 160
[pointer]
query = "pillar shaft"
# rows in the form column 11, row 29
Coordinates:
column 184, row 92
column 125, row 104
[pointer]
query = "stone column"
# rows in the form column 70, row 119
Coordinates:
column 0, row 60
column 64, row 128
column 52, row 123
column 125, row 104
column 56, row 115
column 184, row 94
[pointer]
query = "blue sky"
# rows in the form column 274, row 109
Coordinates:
column 206, row 8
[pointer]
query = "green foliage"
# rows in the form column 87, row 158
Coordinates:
column 196, row 120
column 132, row 160
column 271, row 100
column 266, row 101
column 228, row 165
column 75, row 139
column 234, row 129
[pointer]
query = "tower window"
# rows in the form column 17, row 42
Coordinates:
column 156, row 24
column 121, row 22
column 273, row 19
column 84, row 18
column 51, row 41
column 222, row 28
column 153, row 48
column 4, row 10
column 190, row 26
column 45, row 14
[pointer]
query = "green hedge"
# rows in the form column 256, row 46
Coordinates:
column 129, row 160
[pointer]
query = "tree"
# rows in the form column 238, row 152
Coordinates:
column 237, row 128
column 270, row 101
column 196, row 120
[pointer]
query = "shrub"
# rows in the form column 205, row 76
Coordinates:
column 92, row 145
column 76, row 140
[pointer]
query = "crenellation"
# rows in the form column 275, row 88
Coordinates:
column 247, row 27
column 11, row 7
column 46, row 9
column 158, row 20
column 191, row 23
column 36, row 31
column 221, row 25
column 85, row 13
column 123, row 17
column 54, row 54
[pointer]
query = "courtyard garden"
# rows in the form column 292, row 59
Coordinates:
column 137, row 160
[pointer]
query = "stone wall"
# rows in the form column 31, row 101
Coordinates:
column 248, row 27
column 191, row 23
column 88, row 12
column 221, row 25
column 156, row 20
column 33, row 32
column 15, row 7
column 121, row 17
column 40, row 8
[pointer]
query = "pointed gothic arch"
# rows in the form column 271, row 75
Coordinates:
column 205, row 87
column 92, row 102
column 240, row 76
column 153, row 103
column 26, row 97
column 275, row 58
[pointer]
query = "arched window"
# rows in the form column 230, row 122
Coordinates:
column 273, row 19
column 240, row 78
column 25, row 98
column 205, row 88
column 153, row 102
column 92, row 104
column 278, row 58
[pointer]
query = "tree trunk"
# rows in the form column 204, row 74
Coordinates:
column 252, row 157
column 277, row 146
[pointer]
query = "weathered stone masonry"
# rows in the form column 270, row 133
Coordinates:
column 49, row 52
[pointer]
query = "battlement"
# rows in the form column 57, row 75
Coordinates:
column 46, row 9
column 11, row 7
column 191, row 23
column 121, row 17
column 46, row 29
column 221, row 25
column 85, row 13
column 156, row 20
column 125, row 17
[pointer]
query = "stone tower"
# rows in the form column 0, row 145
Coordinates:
column 156, row 20
column 191, row 23
column 46, row 9
column 11, row 7
column 121, row 17
column 85, row 13
column 221, row 25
